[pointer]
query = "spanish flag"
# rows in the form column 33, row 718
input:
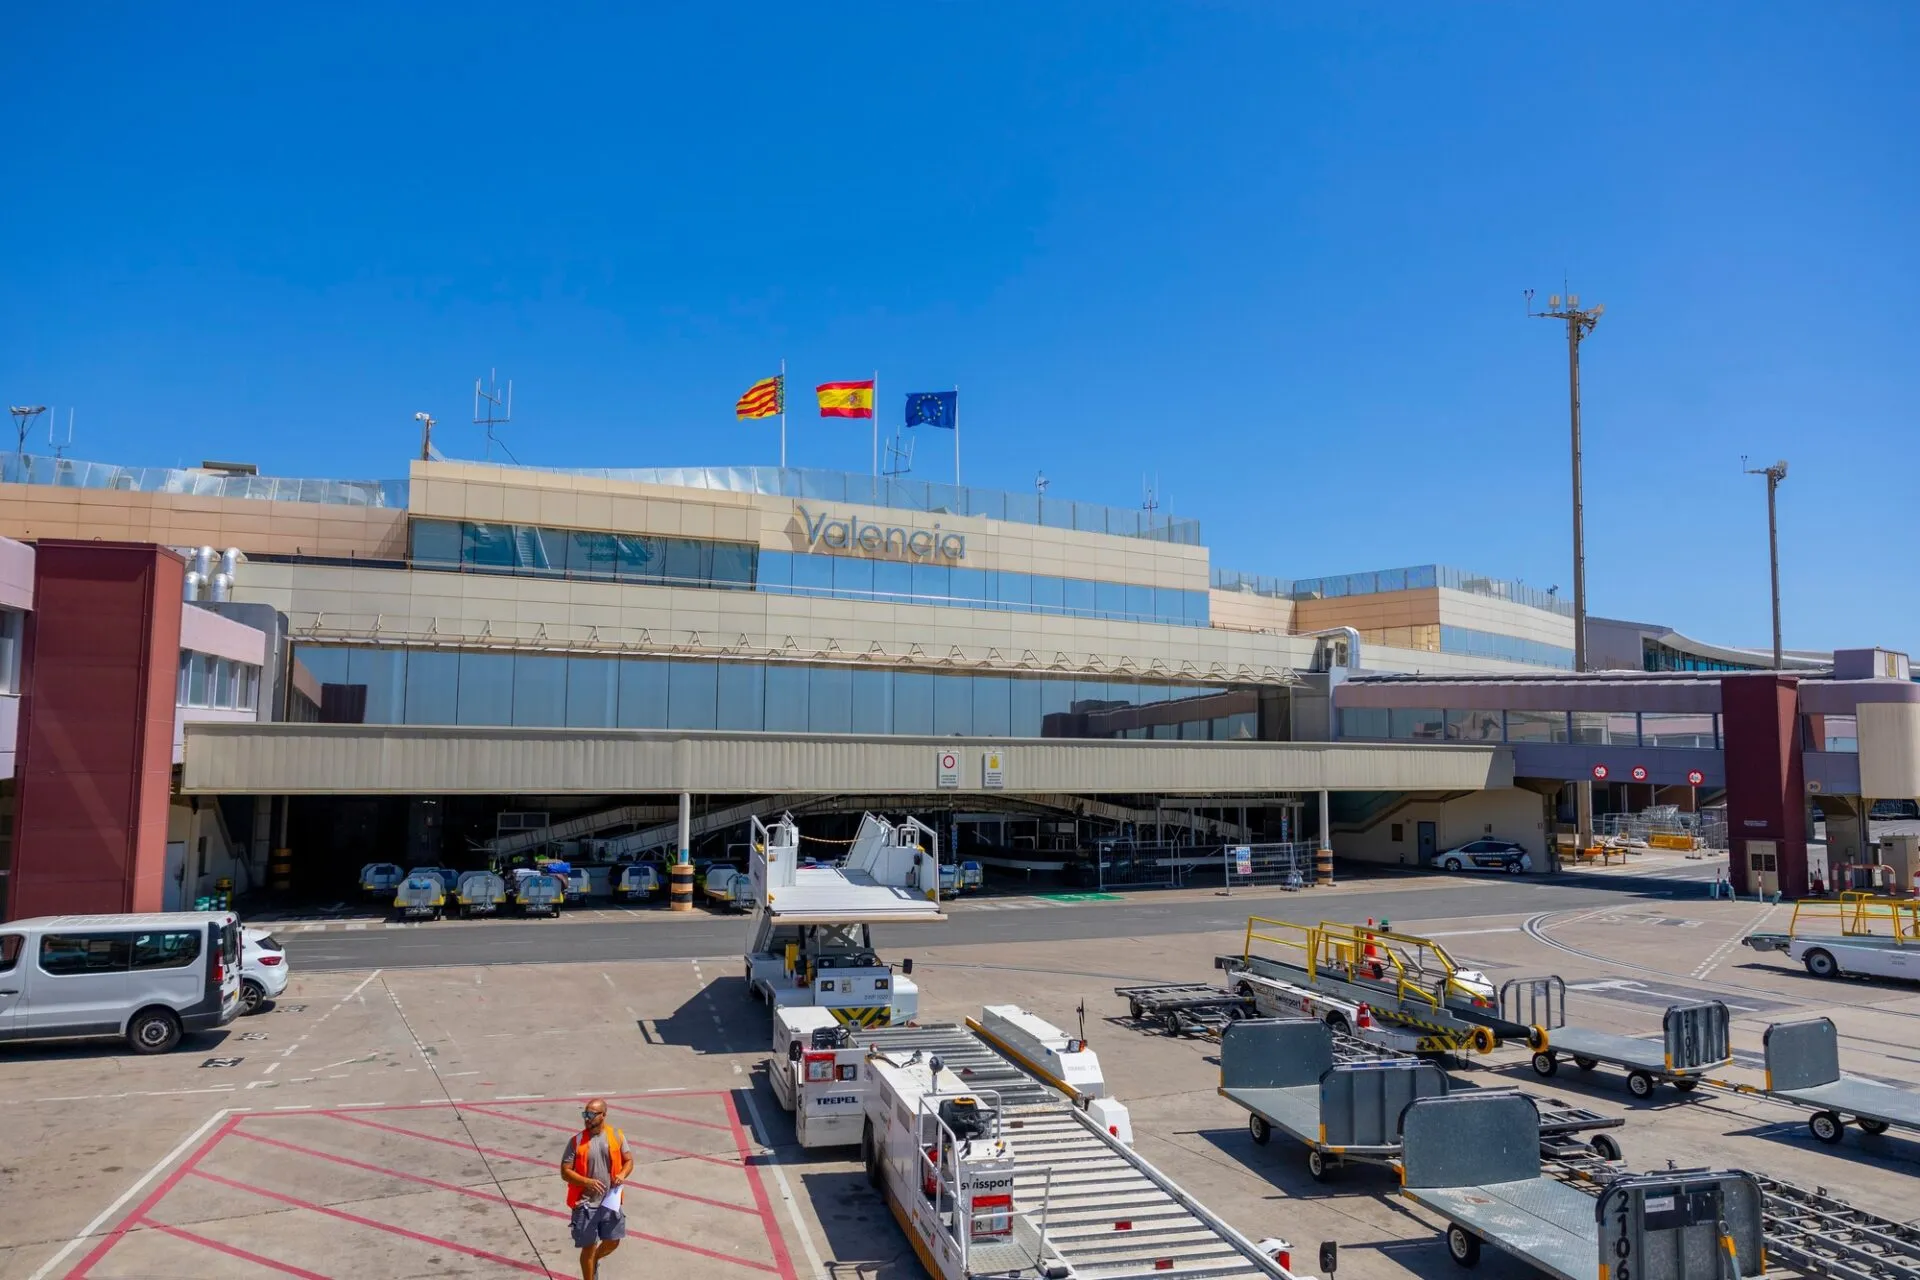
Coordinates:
column 846, row 399
column 764, row 399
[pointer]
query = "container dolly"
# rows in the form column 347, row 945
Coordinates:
column 1186, row 1008
column 1803, row 1069
column 1474, row 1159
column 1695, row 1039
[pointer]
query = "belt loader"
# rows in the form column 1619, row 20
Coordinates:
column 1408, row 983
column 991, row 1175
column 812, row 933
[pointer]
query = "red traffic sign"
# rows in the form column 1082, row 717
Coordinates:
column 1639, row 773
column 1600, row 772
column 948, row 760
column 1695, row 777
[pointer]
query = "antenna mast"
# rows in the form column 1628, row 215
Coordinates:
column 498, row 410
column 23, row 416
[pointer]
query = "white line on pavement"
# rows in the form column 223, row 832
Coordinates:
column 47, row 1267
column 786, row 1190
column 1468, row 933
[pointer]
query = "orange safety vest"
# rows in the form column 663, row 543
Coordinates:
column 583, row 1160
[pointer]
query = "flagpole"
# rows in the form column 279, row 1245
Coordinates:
column 783, row 413
column 873, row 416
column 956, row 435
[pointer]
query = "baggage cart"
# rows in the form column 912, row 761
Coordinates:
column 1803, row 1068
column 1696, row 1038
column 1474, row 1159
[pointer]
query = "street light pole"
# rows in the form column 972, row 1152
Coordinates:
column 1774, row 474
column 1580, row 322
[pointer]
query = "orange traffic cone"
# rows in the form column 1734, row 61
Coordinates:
column 1364, row 1021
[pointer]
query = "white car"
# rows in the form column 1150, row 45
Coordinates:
column 263, row 969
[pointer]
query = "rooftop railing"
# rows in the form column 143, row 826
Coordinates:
column 903, row 493
column 1415, row 578
column 73, row 473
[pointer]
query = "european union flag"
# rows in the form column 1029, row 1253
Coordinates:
column 934, row 408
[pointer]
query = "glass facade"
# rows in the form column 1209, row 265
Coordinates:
column 1611, row 728
column 221, row 683
column 438, row 687
column 580, row 555
column 1491, row 644
column 526, row 550
column 1832, row 733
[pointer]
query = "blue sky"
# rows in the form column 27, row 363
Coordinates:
column 1271, row 254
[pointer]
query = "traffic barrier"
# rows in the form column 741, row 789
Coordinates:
column 1667, row 840
column 1323, row 867
column 280, row 870
column 680, row 887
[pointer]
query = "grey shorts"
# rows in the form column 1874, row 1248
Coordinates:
column 592, row 1224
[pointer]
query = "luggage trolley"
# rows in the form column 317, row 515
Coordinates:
column 1696, row 1038
column 1283, row 1072
column 1474, row 1160
column 1344, row 1104
column 1803, row 1068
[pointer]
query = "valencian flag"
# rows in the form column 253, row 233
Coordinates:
column 934, row 409
column 764, row 399
column 846, row 399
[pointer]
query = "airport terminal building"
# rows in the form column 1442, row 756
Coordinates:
column 209, row 673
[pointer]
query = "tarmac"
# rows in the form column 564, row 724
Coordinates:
column 406, row 1118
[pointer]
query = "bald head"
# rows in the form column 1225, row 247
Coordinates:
column 595, row 1112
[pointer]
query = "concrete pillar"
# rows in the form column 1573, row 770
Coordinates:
column 1323, row 858
column 680, row 874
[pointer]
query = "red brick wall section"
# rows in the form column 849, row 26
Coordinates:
column 1766, row 786
column 95, row 767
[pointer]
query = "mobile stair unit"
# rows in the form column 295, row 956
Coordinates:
column 812, row 932
column 1407, row 982
column 992, row 1175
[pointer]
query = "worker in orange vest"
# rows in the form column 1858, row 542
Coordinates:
column 595, row 1163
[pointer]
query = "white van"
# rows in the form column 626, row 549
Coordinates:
column 149, row 978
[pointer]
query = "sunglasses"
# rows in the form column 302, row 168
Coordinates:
column 587, row 1113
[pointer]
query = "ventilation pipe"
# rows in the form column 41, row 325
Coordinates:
column 1337, row 655
column 221, row 589
column 230, row 563
column 203, row 562
column 196, row 581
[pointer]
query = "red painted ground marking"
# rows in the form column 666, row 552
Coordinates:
column 354, row 1117
column 551, row 1165
column 632, row 1142
column 258, row 1261
column 494, row 1198
column 136, row 1218
column 401, row 1174
column 661, row 1115
column 574, row 1100
column 153, row 1197
column 355, row 1218
column 760, row 1200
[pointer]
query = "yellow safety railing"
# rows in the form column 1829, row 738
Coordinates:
column 1353, row 953
column 1860, row 915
